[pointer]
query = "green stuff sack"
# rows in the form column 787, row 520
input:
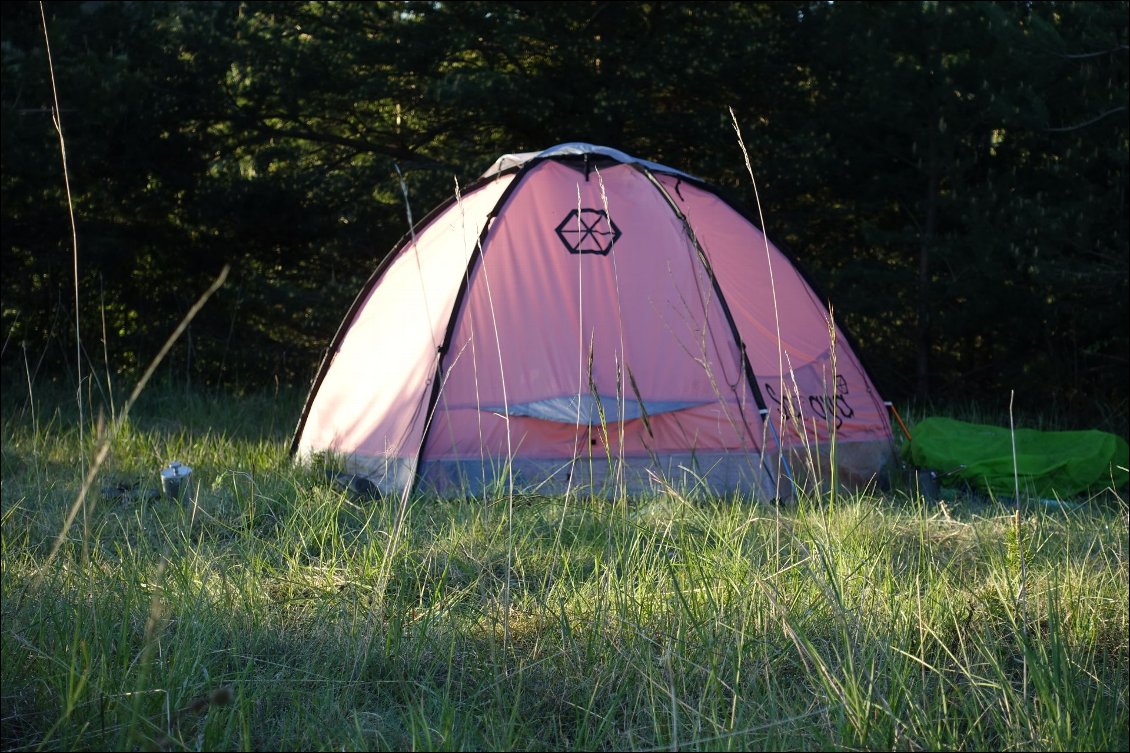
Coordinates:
column 1049, row 463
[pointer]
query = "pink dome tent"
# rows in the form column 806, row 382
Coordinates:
column 582, row 319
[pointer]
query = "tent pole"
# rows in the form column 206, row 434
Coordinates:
column 905, row 431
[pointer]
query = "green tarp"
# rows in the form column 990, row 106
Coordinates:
column 1049, row 463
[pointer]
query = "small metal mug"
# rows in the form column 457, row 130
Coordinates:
column 175, row 480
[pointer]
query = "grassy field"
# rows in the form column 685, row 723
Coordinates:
column 270, row 611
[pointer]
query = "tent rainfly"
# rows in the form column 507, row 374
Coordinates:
column 581, row 319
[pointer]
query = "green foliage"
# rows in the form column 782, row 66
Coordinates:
column 971, row 181
column 953, row 175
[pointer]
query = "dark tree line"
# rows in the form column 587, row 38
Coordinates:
column 952, row 175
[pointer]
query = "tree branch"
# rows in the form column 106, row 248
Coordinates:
column 1092, row 121
column 1084, row 55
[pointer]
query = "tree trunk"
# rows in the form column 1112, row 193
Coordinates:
column 922, row 362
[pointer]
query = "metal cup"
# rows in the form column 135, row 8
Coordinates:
column 175, row 480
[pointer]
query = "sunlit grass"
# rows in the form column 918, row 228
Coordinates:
column 251, row 616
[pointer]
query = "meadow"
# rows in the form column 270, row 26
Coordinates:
column 271, row 610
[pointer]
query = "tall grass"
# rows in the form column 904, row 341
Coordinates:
column 248, row 616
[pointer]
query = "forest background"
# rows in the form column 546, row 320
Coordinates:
column 953, row 176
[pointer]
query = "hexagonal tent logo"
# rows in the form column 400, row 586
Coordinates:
column 588, row 232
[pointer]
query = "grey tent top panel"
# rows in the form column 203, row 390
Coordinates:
column 576, row 149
